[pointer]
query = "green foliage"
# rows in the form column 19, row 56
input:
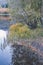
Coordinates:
column 33, row 17
column 36, row 4
column 32, row 11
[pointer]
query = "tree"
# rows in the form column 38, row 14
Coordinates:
column 36, row 4
column 14, row 6
column 30, row 7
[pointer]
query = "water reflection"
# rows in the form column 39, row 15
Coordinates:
column 16, row 54
column 5, row 56
column 19, row 55
column 22, row 55
column 3, row 39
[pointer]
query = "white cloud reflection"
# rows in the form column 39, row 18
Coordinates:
column 3, row 38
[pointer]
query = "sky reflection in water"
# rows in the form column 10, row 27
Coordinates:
column 5, row 54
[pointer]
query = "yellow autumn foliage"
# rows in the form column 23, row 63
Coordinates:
column 21, row 31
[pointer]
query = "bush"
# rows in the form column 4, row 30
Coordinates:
column 33, row 20
column 33, row 17
column 18, row 31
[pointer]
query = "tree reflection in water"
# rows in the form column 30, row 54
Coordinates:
column 22, row 55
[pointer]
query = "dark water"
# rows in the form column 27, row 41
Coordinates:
column 4, row 24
